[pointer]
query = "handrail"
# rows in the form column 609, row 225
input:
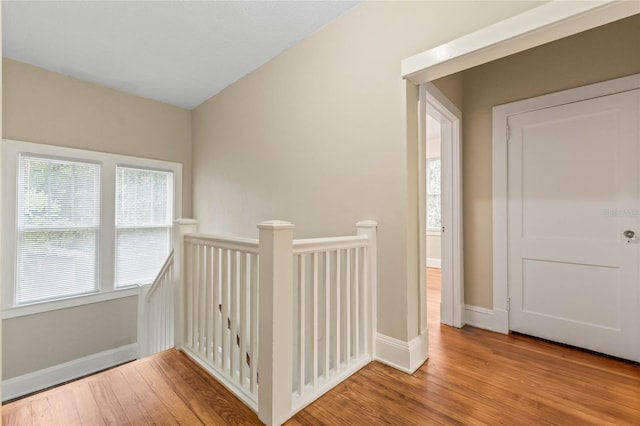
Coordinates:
column 332, row 243
column 247, row 245
column 157, row 280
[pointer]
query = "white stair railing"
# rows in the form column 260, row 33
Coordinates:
column 332, row 312
column 278, row 321
column 155, row 312
column 220, row 298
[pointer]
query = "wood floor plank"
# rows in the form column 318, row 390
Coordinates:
column 42, row 412
column 64, row 406
column 148, row 398
column 88, row 410
column 131, row 404
column 179, row 410
column 111, row 410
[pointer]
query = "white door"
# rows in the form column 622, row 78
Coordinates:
column 573, row 190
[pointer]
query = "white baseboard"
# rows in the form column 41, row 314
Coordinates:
column 434, row 263
column 41, row 379
column 401, row 355
column 479, row 317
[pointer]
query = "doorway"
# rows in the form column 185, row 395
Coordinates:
column 441, row 207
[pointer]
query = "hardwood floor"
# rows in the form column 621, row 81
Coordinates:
column 164, row 389
column 476, row 377
column 473, row 377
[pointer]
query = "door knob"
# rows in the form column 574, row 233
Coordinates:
column 630, row 235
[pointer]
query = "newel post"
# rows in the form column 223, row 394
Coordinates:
column 180, row 228
column 370, row 229
column 275, row 306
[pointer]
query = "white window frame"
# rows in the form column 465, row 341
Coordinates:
column 11, row 150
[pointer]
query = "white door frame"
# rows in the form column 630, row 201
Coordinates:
column 543, row 24
column 501, row 114
column 452, row 305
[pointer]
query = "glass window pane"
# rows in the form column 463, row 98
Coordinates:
column 433, row 212
column 144, row 197
column 140, row 254
column 58, row 222
column 433, row 176
column 56, row 193
column 144, row 212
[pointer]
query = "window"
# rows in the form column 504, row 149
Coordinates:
column 144, row 213
column 58, row 222
column 433, row 195
column 88, row 226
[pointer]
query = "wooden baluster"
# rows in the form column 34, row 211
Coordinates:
column 202, row 296
column 242, row 334
column 301, row 322
column 338, row 335
column 225, row 310
column 356, row 305
column 254, row 322
column 189, row 292
column 348, row 308
column 327, row 314
column 218, row 327
column 314, row 335
column 209, row 304
column 233, row 315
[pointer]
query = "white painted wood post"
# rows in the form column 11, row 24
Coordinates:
column 275, row 305
column 143, row 322
column 180, row 228
column 370, row 229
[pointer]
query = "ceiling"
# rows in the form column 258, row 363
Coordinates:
column 178, row 52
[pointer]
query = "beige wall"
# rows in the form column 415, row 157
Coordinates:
column 324, row 135
column 600, row 54
column 34, row 342
column 45, row 107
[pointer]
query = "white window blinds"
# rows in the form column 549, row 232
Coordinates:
column 144, row 212
column 58, row 223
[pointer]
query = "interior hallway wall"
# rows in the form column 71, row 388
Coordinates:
column 319, row 136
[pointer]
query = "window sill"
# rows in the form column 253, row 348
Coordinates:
column 53, row 305
column 433, row 232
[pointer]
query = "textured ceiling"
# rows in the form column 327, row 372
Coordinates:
column 178, row 52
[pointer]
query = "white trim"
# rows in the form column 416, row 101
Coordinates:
column 404, row 356
column 42, row 379
column 501, row 114
column 549, row 22
column 479, row 317
column 432, row 262
column 451, row 262
column 69, row 302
